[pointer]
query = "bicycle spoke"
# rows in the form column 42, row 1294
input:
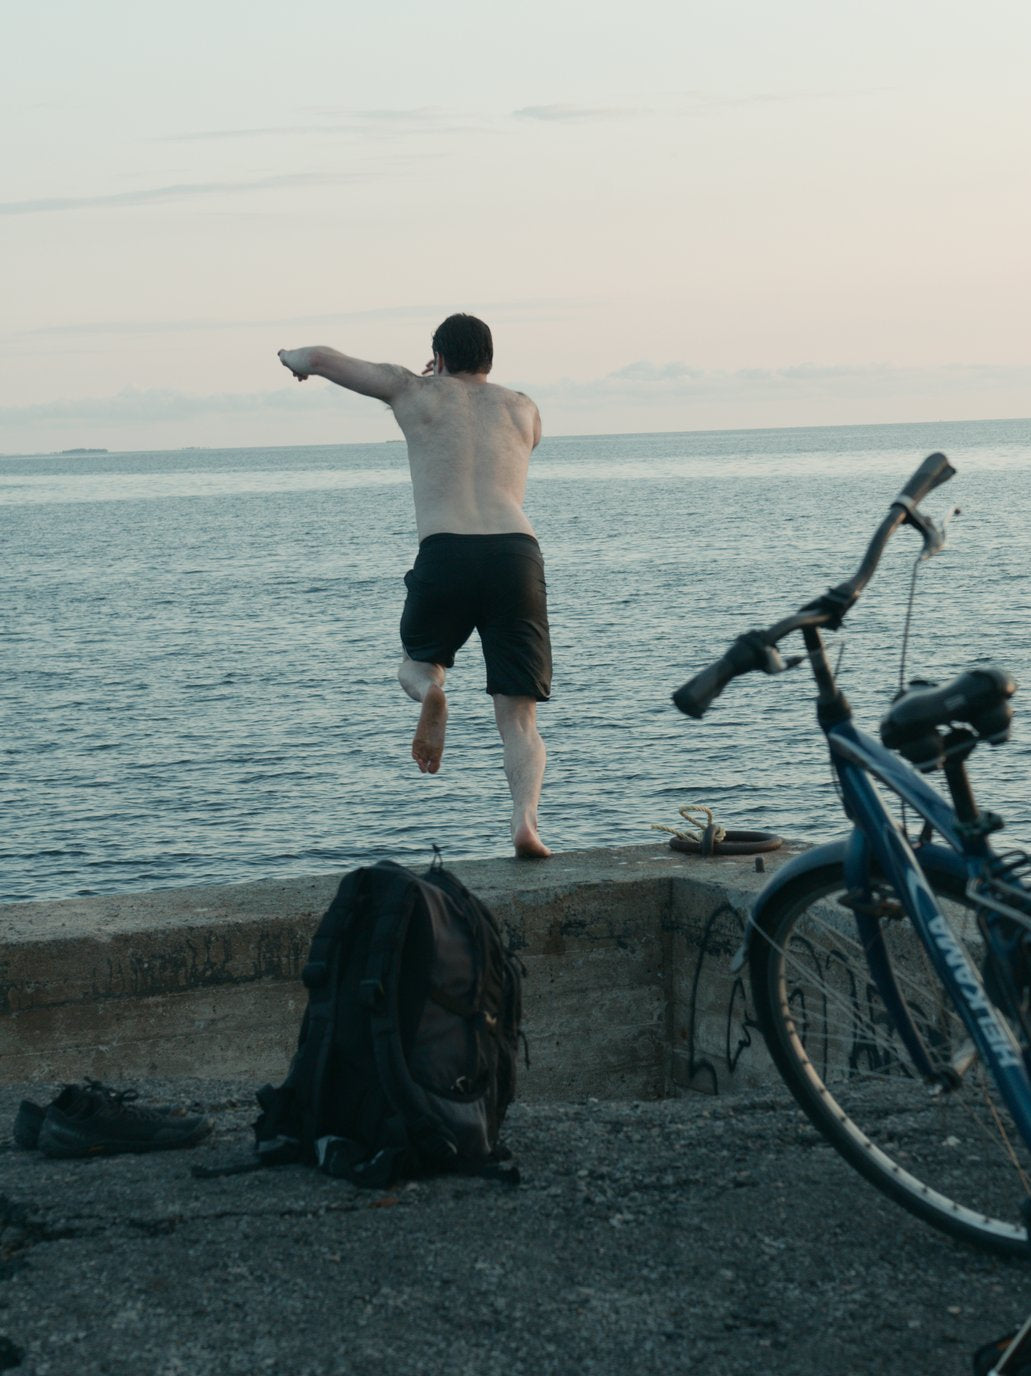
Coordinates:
column 944, row 1147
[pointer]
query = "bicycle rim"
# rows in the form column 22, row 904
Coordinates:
column 952, row 1156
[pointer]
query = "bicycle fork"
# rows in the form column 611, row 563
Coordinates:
column 892, row 854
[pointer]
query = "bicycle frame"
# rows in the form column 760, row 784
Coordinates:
column 877, row 843
column 936, row 1006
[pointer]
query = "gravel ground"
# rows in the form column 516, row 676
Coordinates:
column 693, row 1234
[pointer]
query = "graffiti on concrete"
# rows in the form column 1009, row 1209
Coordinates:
column 717, row 998
column 835, row 1006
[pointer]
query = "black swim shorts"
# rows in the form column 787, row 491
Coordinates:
column 493, row 584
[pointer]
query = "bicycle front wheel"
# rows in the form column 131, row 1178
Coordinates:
column 949, row 1152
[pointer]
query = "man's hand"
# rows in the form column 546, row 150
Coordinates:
column 431, row 367
column 381, row 380
column 292, row 359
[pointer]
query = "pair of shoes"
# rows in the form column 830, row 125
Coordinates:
column 93, row 1120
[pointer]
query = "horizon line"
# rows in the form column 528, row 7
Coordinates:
column 94, row 450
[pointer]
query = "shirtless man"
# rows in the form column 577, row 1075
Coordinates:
column 479, row 565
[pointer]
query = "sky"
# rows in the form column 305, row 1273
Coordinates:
column 674, row 215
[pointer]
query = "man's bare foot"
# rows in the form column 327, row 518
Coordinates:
column 428, row 745
column 528, row 845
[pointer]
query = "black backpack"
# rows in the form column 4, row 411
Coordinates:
column 406, row 1059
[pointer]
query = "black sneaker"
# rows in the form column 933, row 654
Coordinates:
column 27, row 1124
column 28, row 1121
column 93, row 1120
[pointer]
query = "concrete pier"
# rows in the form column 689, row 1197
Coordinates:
column 628, row 993
column 685, row 1234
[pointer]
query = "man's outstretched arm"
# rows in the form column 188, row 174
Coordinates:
column 381, row 380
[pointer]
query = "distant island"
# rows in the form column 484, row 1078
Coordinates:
column 84, row 451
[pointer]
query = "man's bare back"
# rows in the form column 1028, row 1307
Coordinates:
column 469, row 440
column 469, row 446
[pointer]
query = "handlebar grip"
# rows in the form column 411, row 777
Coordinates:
column 934, row 471
column 697, row 695
column 749, row 651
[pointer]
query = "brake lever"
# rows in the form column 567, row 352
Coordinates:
column 934, row 535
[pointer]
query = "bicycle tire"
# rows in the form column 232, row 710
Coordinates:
column 954, row 1158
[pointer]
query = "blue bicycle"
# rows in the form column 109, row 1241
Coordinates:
column 891, row 974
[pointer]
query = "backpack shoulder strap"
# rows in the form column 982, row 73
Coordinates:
column 380, row 993
column 306, row 1079
column 392, row 904
column 333, row 924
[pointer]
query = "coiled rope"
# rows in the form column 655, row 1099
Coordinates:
column 709, row 838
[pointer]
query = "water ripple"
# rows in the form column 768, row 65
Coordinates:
column 199, row 681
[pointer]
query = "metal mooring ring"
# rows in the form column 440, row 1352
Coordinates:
column 733, row 843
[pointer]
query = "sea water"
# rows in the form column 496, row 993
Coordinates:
column 200, row 647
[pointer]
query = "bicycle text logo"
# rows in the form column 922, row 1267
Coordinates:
column 974, row 996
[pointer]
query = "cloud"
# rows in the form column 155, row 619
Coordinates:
column 644, row 380
column 417, row 120
column 134, row 404
column 418, row 114
column 641, row 380
column 642, row 371
column 178, row 192
column 270, row 131
column 436, row 120
column 91, row 328
column 419, row 314
column 577, row 113
column 641, row 396
column 684, row 104
column 700, row 102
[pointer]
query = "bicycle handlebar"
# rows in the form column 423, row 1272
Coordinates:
column 749, row 651
column 757, row 649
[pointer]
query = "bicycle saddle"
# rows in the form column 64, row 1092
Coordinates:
column 978, row 698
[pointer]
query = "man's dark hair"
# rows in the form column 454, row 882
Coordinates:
column 465, row 344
